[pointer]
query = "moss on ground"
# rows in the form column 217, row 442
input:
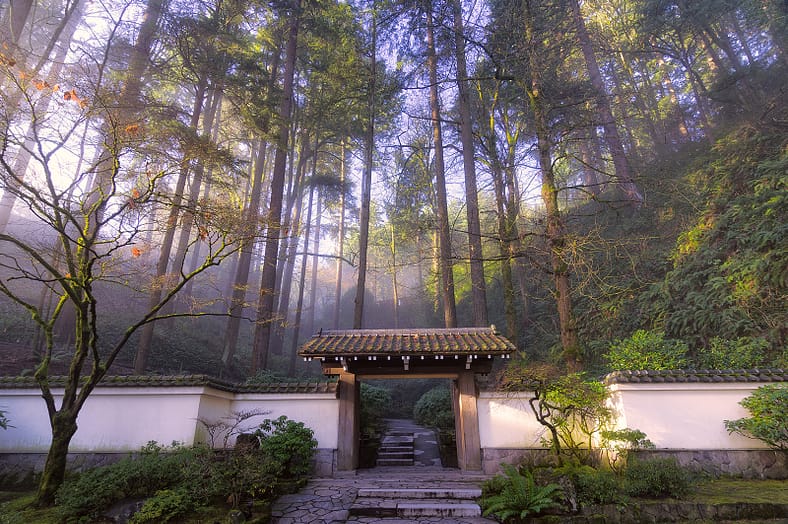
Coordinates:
column 726, row 491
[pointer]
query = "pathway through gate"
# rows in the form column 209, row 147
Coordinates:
column 416, row 490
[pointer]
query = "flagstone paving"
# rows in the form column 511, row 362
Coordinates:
column 419, row 494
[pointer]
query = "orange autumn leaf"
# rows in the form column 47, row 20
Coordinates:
column 203, row 233
column 7, row 60
column 132, row 129
column 41, row 84
column 71, row 95
column 135, row 252
column 135, row 193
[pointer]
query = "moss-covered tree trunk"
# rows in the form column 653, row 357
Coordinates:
column 64, row 426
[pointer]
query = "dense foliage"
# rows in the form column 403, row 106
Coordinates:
column 434, row 409
column 768, row 420
column 173, row 482
column 516, row 494
column 375, row 403
column 527, row 491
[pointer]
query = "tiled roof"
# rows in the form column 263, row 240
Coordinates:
column 456, row 341
column 182, row 381
column 697, row 375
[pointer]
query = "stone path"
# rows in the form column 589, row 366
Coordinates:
column 421, row 493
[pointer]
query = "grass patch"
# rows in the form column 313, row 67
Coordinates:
column 15, row 508
column 726, row 491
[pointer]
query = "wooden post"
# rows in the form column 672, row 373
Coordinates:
column 469, row 453
column 349, row 398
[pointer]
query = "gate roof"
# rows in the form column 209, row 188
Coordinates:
column 374, row 349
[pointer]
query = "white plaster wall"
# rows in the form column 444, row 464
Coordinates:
column 318, row 411
column 113, row 419
column 120, row 419
column 506, row 421
column 684, row 415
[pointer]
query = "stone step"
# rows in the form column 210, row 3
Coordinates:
column 397, row 441
column 398, row 433
column 396, row 455
column 404, row 509
column 421, row 493
column 395, row 448
column 394, row 462
column 439, row 510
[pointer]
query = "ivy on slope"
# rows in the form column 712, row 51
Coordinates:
column 730, row 271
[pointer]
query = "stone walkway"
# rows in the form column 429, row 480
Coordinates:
column 330, row 500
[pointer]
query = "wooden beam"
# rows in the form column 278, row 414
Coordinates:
column 469, row 453
column 348, row 442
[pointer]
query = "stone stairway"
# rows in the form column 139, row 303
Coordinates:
column 396, row 449
column 446, row 500
column 407, row 483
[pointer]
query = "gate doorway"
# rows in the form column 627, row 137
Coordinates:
column 457, row 354
column 401, row 410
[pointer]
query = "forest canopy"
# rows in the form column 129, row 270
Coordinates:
column 199, row 186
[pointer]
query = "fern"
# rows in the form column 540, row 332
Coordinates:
column 520, row 496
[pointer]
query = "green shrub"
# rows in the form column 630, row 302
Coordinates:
column 768, row 420
column 374, row 402
column 742, row 353
column 597, row 486
column 178, row 480
column 434, row 409
column 647, row 350
column 617, row 444
column 519, row 495
column 289, row 446
column 658, row 478
column 92, row 492
column 4, row 420
column 165, row 505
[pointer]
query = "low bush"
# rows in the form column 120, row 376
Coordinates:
column 768, row 420
column 598, row 486
column 434, row 409
column 289, row 445
column 647, row 350
column 86, row 496
column 178, row 480
column 657, row 478
column 165, row 505
column 374, row 402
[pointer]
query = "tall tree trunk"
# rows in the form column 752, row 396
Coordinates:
column 509, row 307
column 290, row 243
column 478, row 285
column 340, row 239
column 612, row 138
column 160, row 283
column 251, row 220
column 15, row 19
column 444, row 238
column 394, row 284
column 366, row 184
column 265, row 305
column 310, row 323
column 216, row 110
column 301, row 285
column 556, row 235
column 187, row 222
